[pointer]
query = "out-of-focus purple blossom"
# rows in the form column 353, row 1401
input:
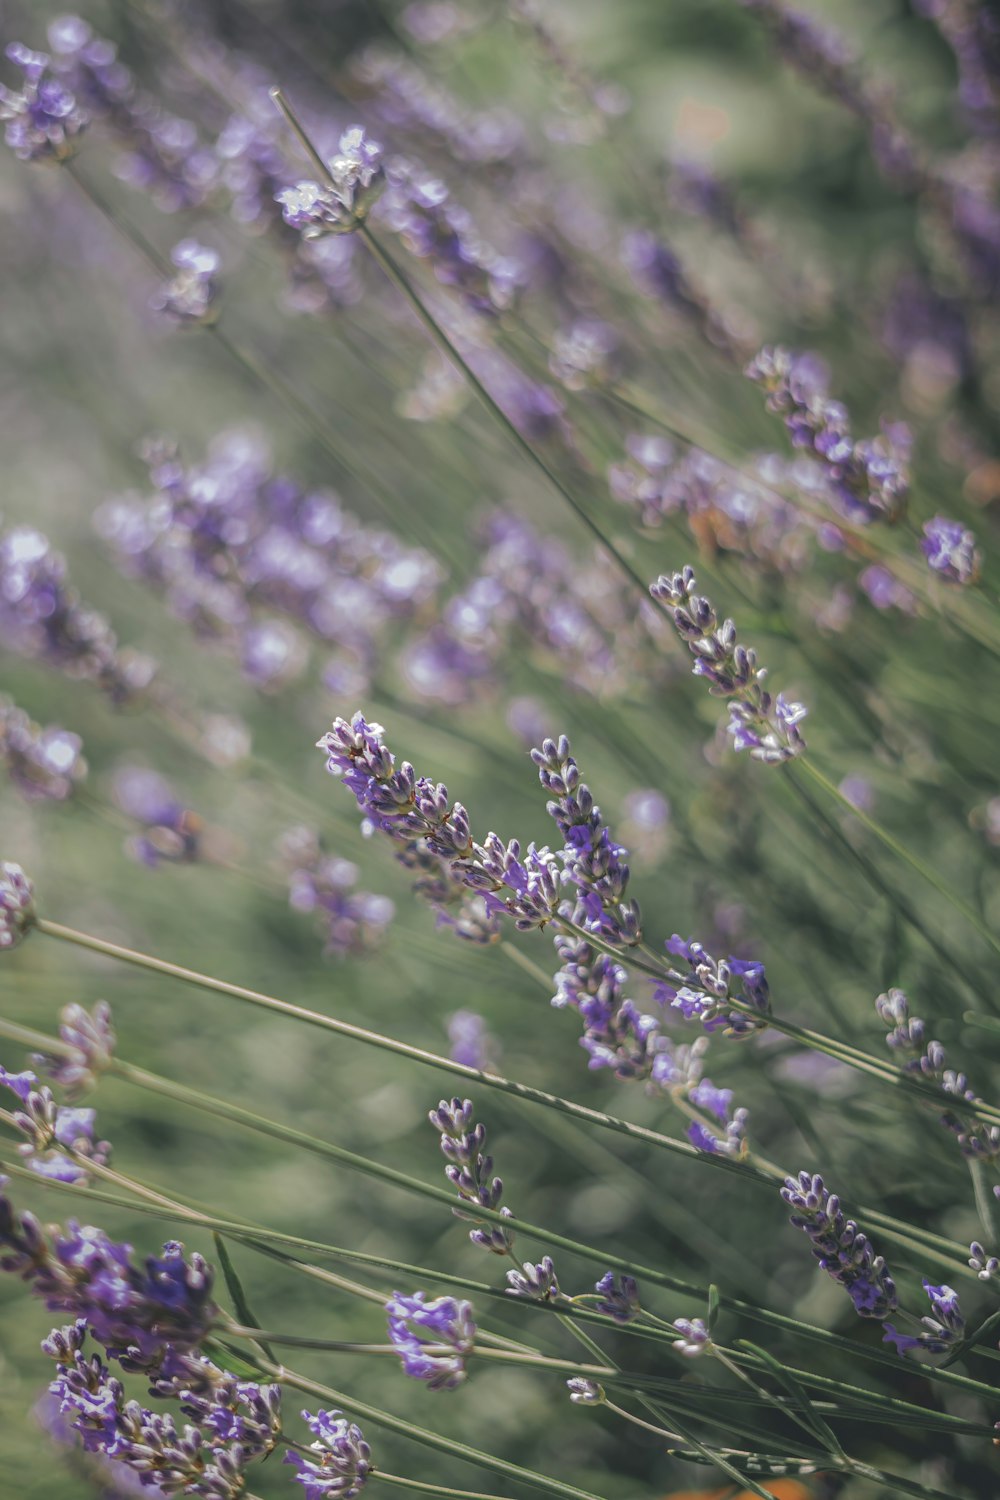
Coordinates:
column 43, row 117
column 353, row 921
column 338, row 1463
column 766, row 726
column 928, row 1060
column 43, row 764
column 91, row 1037
column 973, row 33
column 413, row 106
column 419, row 207
column 17, row 904
column 189, row 296
column 161, row 153
column 341, row 204
column 227, row 542
column 951, row 550
column 433, row 1338
column 535, row 1282
column 986, row 1266
column 47, row 1126
column 659, row 274
column 884, row 590
column 470, row 1171
column 43, row 617
column 172, row 832
column 928, row 333
column 869, row 479
column 471, row 1042
column 583, row 354
column 840, row 1247
column 943, row 1328
column 859, row 792
column 695, row 1338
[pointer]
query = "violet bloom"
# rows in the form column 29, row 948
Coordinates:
column 353, row 922
column 535, row 1282
column 17, row 905
column 884, row 590
column 137, row 1313
column 91, row 1037
column 868, row 479
column 47, row 1126
column 433, row 1338
column 938, row 1332
column 471, row 1041
column 840, row 1247
column 928, row 1060
column 172, row 832
column 340, row 205
column 189, row 297
column 950, row 550
column 695, row 1338
column 43, row 617
column 766, row 726
column 470, row 1171
column 43, row 118
column 339, row 1461
column 226, row 1409
column 618, row 1297
column 43, row 764
column 703, row 992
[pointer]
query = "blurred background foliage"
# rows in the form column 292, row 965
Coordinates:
column 907, row 703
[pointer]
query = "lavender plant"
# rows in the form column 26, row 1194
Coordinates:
column 427, row 260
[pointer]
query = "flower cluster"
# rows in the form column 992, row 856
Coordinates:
column 43, row 764
column 89, row 1037
column 471, row 1172
column 352, row 921
column 868, row 479
column 943, row 1328
column 593, row 862
column 695, row 1337
column 618, row 1297
column 420, row 209
column 189, row 296
column 928, row 1060
column 839, row 1246
column 433, row 1338
column 341, row 204
column 414, row 810
column 338, row 1462
column 230, row 545
column 139, row 1314
column 43, row 118
column 617, row 1034
column 535, row 1281
column 171, row 832
column 237, row 1420
column 50, row 1130
column 950, row 550
column 43, row 617
column 704, row 992
column 766, row 726
column 17, row 904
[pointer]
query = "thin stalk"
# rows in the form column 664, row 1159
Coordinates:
column 429, row 1489
column 422, row 1435
column 925, row 871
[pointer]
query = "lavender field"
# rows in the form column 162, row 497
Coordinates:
column 499, row 788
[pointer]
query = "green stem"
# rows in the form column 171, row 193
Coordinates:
column 429, row 1489
column 925, row 871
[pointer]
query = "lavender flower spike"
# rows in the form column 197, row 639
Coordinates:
column 342, row 1462
column 47, row 1126
column 17, row 904
column 840, row 1247
column 695, row 1338
column 766, row 726
column 91, row 1035
column 939, row 1332
column 619, row 1297
column 43, row 118
column 341, row 205
column 537, row 1283
column 470, row 1171
column 951, row 551
column 433, row 1338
